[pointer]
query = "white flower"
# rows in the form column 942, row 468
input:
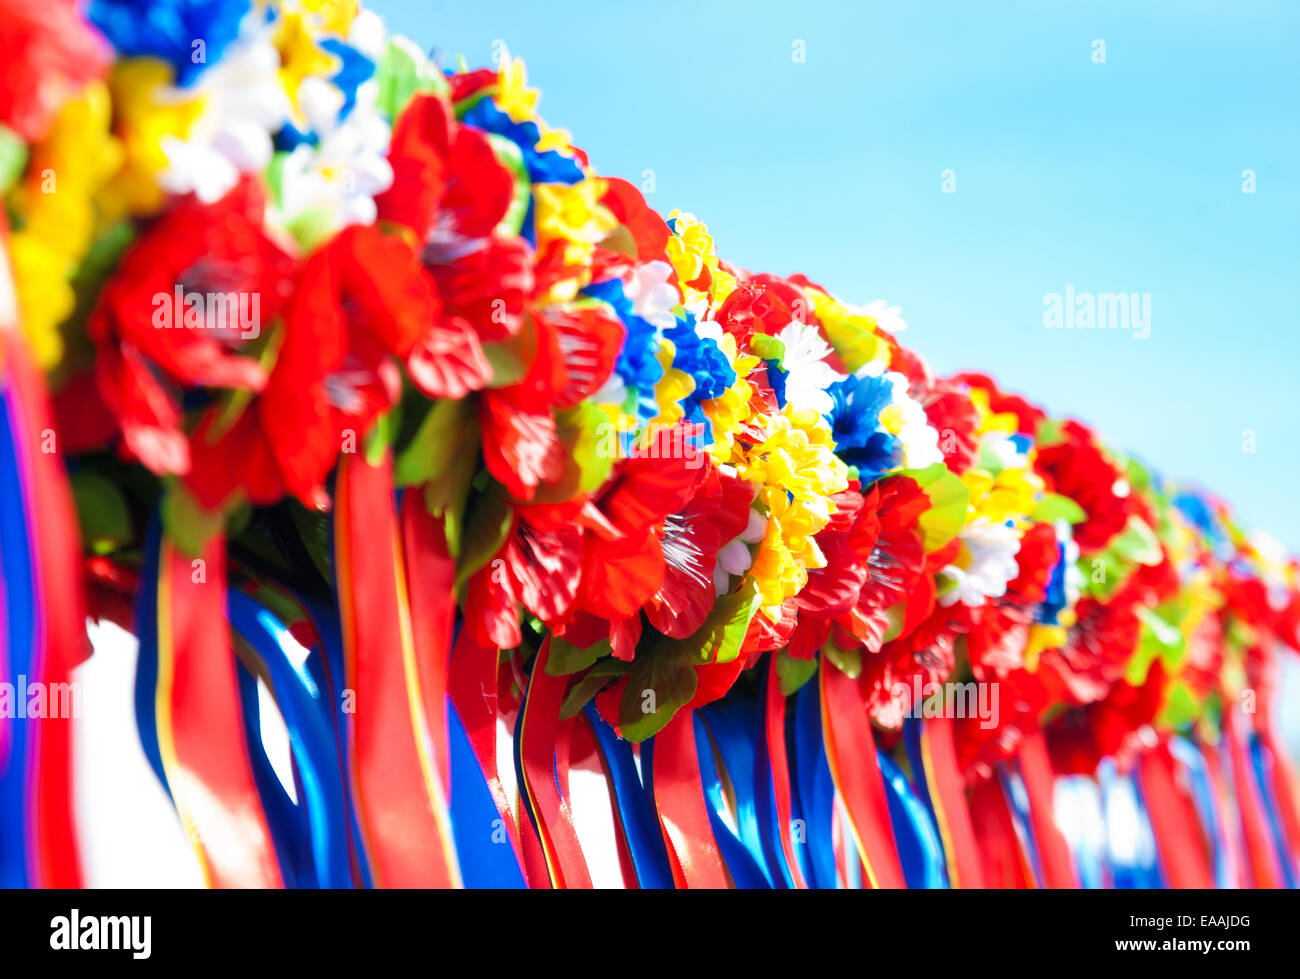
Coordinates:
column 920, row 439
column 1004, row 449
column 807, row 373
column 653, row 296
column 243, row 105
column 342, row 174
column 991, row 549
column 888, row 318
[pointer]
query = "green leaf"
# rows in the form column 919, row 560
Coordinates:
column 849, row 661
column 949, row 499
column 402, row 71
column 793, row 673
column 1137, row 543
column 591, row 683
column 447, row 435
column 512, row 158
column 566, row 658
column 101, row 512
column 1053, row 507
column 661, row 682
column 186, row 522
column 488, row 527
column 588, row 458
column 727, row 624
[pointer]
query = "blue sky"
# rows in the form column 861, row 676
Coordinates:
column 1122, row 176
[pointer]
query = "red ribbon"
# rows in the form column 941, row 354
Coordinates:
column 58, row 573
column 1053, row 851
column 201, row 733
column 1180, row 842
column 944, row 781
column 544, row 756
column 1260, row 854
column 398, row 792
column 774, row 732
column 851, row 751
column 1003, row 861
column 683, row 814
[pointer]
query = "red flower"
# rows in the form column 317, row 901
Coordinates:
column 452, row 192
column 152, row 343
column 362, row 302
column 1078, row 467
column 47, row 53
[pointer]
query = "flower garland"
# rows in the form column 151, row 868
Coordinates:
column 365, row 384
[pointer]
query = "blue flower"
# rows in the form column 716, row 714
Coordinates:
column 704, row 361
column 855, row 425
column 550, row 167
column 638, row 364
column 170, row 29
column 355, row 68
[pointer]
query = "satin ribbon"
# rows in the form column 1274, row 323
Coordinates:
column 321, row 813
column 919, row 850
column 1004, row 863
column 542, row 767
column 816, row 792
column 1264, row 767
column 42, row 633
column 732, row 723
column 932, row 752
column 637, row 821
column 197, row 715
column 1262, row 862
column 1208, row 810
column 1283, row 786
column 772, row 782
column 851, row 755
column 399, row 794
column 1130, row 843
column 1180, row 842
column 677, row 794
column 741, row 866
column 1053, row 853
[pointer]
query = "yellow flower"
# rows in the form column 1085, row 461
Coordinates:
column 300, row 56
column 691, row 252
column 514, row 97
column 334, row 16
column 57, row 217
column 853, row 334
column 147, row 109
column 572, row 214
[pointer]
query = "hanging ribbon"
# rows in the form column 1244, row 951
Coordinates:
column 1180, row 844
column 398, row 790
column 1004, row 863
column 1208, row 809
column 1260, row 852
column 542, row 767
column 43, row 635
column 1053, row 852
column 197, row 715
column 851, row 754
column 933, row 755
column 636, row 817
column 772, row 783
column 677, row 794
column 1262, row 763
column 919, row 850
column 1283, row 787
column 302, row 706
column 816, row 791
